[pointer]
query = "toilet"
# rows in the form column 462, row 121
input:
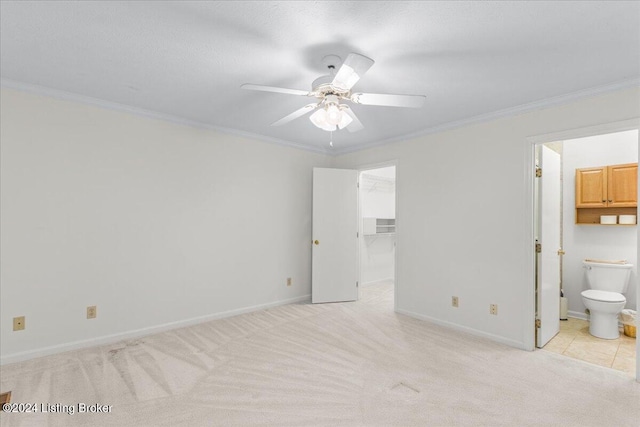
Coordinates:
column 607, row 282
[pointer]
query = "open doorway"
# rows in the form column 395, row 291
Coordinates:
column 602, row 230
column 378, row 236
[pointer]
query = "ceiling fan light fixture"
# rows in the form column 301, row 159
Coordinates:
column 331, row 89
column 345, row 120
column 319, row 119
column 334, row 115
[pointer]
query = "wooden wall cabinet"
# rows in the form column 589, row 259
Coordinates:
column 606, row 190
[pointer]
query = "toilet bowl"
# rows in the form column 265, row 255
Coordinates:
column 607, row 280
column 604, row 308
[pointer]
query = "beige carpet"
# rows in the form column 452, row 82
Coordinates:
column 349, row 364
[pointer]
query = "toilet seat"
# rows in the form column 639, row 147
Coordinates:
column 603, row 296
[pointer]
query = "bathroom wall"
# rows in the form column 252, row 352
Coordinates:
column 595, row 241
column 377, row 200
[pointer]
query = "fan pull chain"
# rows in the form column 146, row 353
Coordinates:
column 331, row 139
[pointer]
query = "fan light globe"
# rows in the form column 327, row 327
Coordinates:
column 319, row 119
column 345, row 120
column 334, row 115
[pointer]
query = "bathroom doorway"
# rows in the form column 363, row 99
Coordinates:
column 582, row 236
column 378, row 235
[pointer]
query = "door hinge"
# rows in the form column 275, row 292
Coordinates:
column 538, row 323
column 357, row 234
column 538, row 172
column 538, row 248
column 357, row 284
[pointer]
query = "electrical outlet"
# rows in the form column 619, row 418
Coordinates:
column 18, row 323
column 92, row 312
column 289, row 281
column 493, row 309
column 454, row 301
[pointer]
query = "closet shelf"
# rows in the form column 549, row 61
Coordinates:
column 377, row 226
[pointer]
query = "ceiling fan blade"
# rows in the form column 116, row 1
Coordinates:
column 298, row 113
column 355, row 124
column 351, row 70
column 262, row 88
column 411, row 101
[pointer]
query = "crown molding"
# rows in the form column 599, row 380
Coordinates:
column 507, row 112
column 114, row 106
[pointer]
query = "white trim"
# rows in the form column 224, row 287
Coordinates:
column 528, row 273
column 600, row 129
column 577, row 315
column 472, row 331
column 380, row 165
column 375, row 282
column 114, row 106
column 107, row 339
column 584, row 316
column 507, row 112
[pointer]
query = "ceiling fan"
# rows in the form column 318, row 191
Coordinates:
column 334, row 88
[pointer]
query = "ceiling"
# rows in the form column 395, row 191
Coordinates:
column 186, row 60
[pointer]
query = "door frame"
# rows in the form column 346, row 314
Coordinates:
column 364, row 168
column 529, row 177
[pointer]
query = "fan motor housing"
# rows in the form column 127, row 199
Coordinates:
column 322, row 87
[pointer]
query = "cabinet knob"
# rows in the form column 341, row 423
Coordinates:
column 316, row 242
column 604, row 201
column 610, row 201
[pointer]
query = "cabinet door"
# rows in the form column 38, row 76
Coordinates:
column 623, row 185
column 591, row 187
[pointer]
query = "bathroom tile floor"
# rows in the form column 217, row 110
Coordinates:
column 574, row 341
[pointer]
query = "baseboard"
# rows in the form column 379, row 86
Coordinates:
column 584, row 316
column 108, row 339
column 578, row 315
column 375, row 282
column 466, row 329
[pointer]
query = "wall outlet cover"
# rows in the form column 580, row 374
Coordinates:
column 92, row 312
column 18, row 323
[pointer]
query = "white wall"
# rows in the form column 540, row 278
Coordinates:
column 464, row 214
column 593, row 241
column 377, row 200
column 157, row 223
column 153, row 222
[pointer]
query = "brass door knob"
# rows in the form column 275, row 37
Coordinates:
column 316, row 242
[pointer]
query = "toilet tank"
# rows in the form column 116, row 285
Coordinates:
column 603, row 276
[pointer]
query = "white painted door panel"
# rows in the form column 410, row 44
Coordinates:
column 549, row 259
column 334, row 270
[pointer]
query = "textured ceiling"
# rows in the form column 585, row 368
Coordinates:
column 188, row 59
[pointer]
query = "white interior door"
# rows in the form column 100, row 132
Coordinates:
column 549, row 259
column 334, row 269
